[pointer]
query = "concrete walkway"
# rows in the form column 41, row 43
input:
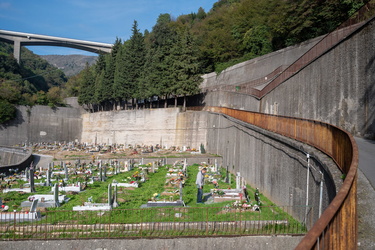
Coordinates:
column 366, row 194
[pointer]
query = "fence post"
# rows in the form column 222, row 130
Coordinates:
column 14, row 222
column 206, row 220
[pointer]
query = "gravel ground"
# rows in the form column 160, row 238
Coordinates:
column 366, row 213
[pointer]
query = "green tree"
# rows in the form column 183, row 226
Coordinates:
column 129, row 65
column 86, row 86
column 257, row 41
column 7, row 111
column 54, row 96
column 186, row 67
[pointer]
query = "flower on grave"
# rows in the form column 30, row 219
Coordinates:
column 219, row 192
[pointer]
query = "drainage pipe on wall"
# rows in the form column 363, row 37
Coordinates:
column 307, row 186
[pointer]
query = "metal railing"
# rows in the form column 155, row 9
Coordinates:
column 337, row 228
column 152, row 223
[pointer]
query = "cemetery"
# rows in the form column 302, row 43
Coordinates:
column 162, row 190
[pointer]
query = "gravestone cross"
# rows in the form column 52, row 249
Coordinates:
column 180, row 190
column 104, row 173
column 110, row 195
column 32, row 187
column 27, row 173
column 115, row 204
column 66, row 172
column 49, row 175
column 56, row 195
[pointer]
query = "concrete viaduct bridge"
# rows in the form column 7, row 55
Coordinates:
column 27, row 39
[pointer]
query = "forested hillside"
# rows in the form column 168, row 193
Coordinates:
column 168, row 61
column 71, row 65
column 35, row 81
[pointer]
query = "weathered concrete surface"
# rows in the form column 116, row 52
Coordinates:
column 275, row 164
column 42, row 124
column 245, row 242
column 166, row 127
column 337, row 88
column 257, row 67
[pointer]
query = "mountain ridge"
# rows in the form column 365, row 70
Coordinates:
column 71, row 65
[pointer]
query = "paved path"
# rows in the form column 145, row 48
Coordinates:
column 366, row 150
column 366, row 194
column 42, row 160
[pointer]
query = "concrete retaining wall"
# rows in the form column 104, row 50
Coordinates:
column 42, row 124
column 337, row 88
column 246, row 242
column 274, row 164
column 166, row 127
column 257, row 67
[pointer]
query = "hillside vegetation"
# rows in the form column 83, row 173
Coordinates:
column 71, row 65
column 35, row 81
column 168, row 60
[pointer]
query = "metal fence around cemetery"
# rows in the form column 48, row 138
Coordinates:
column 161, row 222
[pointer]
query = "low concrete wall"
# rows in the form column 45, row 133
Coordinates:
column 11, row 157
column 246, row 242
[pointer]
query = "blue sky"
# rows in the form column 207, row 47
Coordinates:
column 91, row 20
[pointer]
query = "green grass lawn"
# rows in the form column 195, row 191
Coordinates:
column 131, row 199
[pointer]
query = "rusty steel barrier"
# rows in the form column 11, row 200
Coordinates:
column 337, row 228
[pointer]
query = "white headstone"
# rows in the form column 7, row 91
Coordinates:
column 33, row 206
column 238, row 180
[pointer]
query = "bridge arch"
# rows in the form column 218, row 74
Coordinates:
column 27, row 39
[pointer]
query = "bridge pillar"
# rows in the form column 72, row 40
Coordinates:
column 17, row 51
